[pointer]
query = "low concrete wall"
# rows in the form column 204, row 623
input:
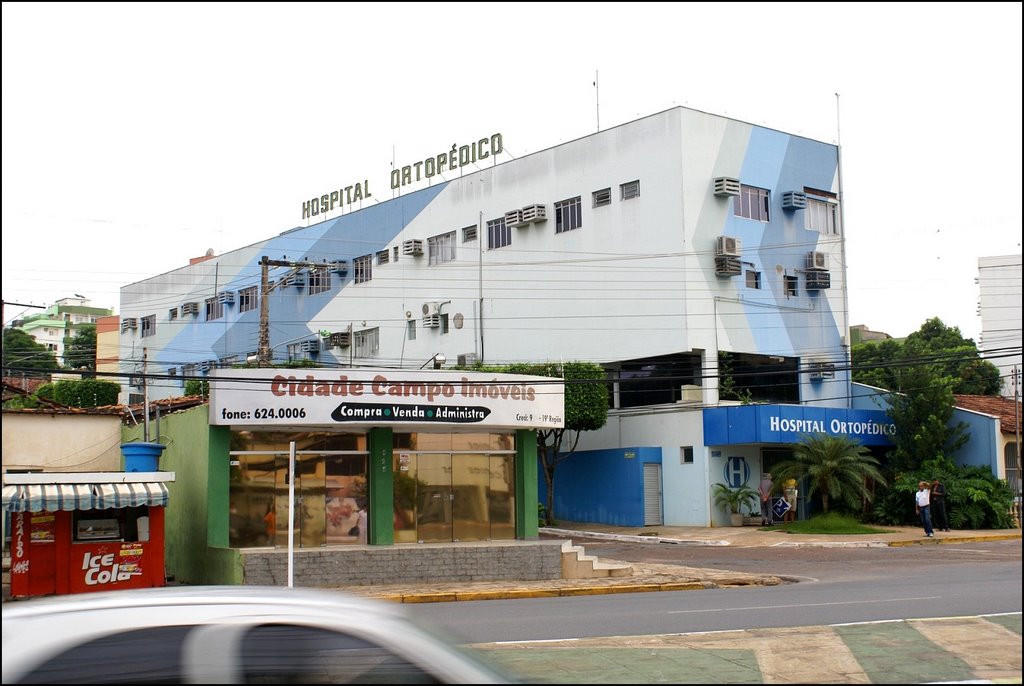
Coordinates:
column 410, row 563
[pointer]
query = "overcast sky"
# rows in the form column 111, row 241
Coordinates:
column 137, row 136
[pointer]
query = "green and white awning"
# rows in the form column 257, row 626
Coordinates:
column 83, row 496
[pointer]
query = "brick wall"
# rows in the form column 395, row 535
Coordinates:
column 380, row 565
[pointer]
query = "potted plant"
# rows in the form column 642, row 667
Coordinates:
column 734, row 499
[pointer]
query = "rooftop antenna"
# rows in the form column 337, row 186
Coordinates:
column 597, row 96
column 839, row 136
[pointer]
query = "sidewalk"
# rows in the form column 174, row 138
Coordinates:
column 658, row 577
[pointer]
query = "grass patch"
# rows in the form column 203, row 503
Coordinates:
column 831, row 523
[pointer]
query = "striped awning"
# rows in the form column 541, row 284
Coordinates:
column 83, row 496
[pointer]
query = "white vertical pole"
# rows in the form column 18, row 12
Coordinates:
column 291, row 514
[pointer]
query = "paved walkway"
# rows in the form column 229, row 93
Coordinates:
column 660, row 577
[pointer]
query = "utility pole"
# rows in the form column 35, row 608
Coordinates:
column 1016, row 422
column 263, row 349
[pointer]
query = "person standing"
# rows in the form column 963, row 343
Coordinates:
column 764, row 489
column 938, row 501
column 922, row 500
column 789, row 492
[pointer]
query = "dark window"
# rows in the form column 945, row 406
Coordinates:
column 441, row 249
column 140, row 656
column 363, row 267
column 148, row 326
column 498, row 234
column 752, row 203
column 791, row 285
column 319, row 280
column 280, row 653
column 653, row 380
column 247, row 299
column 214, row 309
column 568, row 215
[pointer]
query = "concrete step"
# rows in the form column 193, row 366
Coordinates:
column 576, row 564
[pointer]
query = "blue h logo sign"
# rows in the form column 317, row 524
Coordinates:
column 736, row 471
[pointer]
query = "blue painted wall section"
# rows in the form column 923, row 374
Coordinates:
column 361, row 233
column 603, row 486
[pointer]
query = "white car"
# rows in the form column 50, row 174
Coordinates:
column 226, row 634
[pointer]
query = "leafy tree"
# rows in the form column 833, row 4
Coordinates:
column 199, row 387
column 86, row 393
column 879, row 364
column 23, row 352
column 80, row 352
column 874, row 362
column 836, row 467
column 586, row 409
column 921, row 410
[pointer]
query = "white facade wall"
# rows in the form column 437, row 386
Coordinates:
column 999, row 304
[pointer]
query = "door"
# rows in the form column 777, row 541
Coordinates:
column 652, row 494
column 458, row 495
column 434, row 497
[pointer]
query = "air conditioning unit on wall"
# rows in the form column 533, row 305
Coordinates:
column 338, row 339
column 817, row 260
column 794, row 200
column 728, row 246
column 727, row 186
column 430, row 309
column 821, row 370
column 818, row 279
column 515, row 218
column 413, row 246
column 535, row 213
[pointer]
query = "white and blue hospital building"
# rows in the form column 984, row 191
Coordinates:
column 698, row 259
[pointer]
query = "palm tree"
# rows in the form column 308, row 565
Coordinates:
column 837, row 467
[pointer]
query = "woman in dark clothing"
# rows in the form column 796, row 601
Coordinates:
column 939, row 506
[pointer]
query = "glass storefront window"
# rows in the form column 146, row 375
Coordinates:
column 330, row 488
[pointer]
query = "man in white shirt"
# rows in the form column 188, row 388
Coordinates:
column 922, row 500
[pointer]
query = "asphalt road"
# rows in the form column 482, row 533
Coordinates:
column 863, row 585
column 915, row 614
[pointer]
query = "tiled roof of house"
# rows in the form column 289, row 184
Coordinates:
column 1005, row 408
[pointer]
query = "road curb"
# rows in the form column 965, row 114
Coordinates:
column 953, row 539
column 515, row 593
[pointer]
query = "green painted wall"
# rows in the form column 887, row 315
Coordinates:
column 526, row 484
column 197, row 509
column 381, row 488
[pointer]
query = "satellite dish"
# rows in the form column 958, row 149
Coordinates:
column 210, row 252
column 408, row 314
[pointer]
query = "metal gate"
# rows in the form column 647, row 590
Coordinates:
column 652, row 494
